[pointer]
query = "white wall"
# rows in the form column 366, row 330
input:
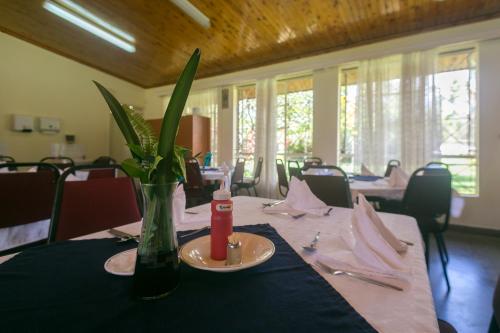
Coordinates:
column 36, row 82
column 482, row 211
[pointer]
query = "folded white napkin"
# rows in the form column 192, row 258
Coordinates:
column 370, row 247
column 395, row 278
column 365, row 171
column 398, row 178
column 179, row 204
column 299, row 199
column 389, row 237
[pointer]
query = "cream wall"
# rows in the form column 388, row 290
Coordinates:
column 36, row 82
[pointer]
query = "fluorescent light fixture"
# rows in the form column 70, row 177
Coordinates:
column 193, row 12
column 82, row 18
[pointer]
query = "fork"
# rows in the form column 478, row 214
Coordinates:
column 195, row 232
column 295, row 217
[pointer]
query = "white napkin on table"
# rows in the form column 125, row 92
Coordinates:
column 389, row 237
column 179, row 204
column 398, row 178
column 299, row 199
column 365, row 171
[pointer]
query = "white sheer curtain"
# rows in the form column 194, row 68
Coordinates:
column 266, row 136
column 398, row 111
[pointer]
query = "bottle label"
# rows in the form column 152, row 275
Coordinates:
column 224, row 207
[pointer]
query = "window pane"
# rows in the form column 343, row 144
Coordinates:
column 246, row 130
column 294, row 118
column 347, row 118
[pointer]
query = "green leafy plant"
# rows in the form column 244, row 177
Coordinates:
column 155, row 160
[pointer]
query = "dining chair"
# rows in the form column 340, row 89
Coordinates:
column 8, row 159
column 390, row 165
column 196, row 193
column 427, row 198
column 294, row 169
column 26, row 197
column 282, row 179
column 311, row 161
column 237, row 177
column 88, row 206
column 495, row 317
column 104, row 160
column 332, row 188
column 252, row 183
column 62, row 162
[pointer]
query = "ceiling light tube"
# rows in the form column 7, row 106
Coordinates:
column 193, row 12
column 88, row 26
column 98, row 21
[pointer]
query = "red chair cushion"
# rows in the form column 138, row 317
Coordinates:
column 26, row 197
column 95, row 205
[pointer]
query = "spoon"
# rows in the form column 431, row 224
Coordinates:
column 312, row 246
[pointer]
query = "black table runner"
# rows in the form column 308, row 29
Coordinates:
column 63, row 287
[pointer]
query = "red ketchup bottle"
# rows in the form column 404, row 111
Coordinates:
column 221, row 224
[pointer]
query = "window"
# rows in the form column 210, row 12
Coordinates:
column 294, row 118
column 246, row 114
column 456, row 86
column 427, row 108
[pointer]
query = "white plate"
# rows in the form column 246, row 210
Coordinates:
column 122, row 263
column 255, row 250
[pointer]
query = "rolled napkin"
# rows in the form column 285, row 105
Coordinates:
column 179, row 204
column 299, row 199
column 370, row 247
column 395, row 278
column 365, row 171
column 389, row 237
column 398, row 178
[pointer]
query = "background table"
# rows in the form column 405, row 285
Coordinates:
column 386, row 310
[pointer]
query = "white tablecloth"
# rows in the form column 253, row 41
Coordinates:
column 379, row 188
column 385, row 309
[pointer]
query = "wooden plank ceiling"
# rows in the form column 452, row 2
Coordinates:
column 243, row 33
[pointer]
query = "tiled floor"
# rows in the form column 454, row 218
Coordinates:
column 473, row 269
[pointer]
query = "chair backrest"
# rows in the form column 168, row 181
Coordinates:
column 104, row 160
column 8, row 159
column 194, row 179
column 102, row 172
column 294, row 169
column 62, row 162
column 390, row 165
column 436, row 165
column 27, row 197
column 258, row 170
column 207, row 159
column 496, row 302
column 239, row 170
column 282, row 179
column 428, row 195
column 84, row 207
column 333, row 190
column 312, row 161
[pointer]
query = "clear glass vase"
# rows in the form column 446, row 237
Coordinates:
column 157, row 264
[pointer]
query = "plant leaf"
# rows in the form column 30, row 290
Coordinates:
column 170, row 124
column 137, row 150
column 154, row 166
column 119, row 115
column 134, row 169
column 178, row 163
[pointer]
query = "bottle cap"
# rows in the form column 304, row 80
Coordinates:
column 222, row 194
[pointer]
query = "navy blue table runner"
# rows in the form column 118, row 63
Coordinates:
column 63, row 288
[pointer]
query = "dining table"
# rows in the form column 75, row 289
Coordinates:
column 385, row 310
